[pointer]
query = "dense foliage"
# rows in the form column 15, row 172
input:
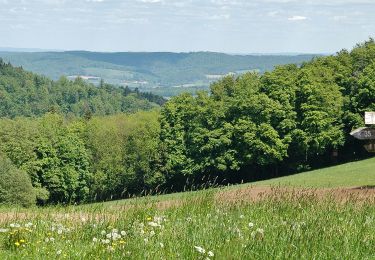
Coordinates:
column 247, row 127
column 15, row 185
column 26, row 94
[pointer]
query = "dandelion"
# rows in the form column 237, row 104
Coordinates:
column 149, row 219
column 200, row 249
column 17, row 244
column 22, row 241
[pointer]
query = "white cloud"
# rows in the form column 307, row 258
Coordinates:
column 297, row 18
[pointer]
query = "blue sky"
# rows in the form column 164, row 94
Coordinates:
column 232, row 26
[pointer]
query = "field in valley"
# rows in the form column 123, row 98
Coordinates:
column 323, row 214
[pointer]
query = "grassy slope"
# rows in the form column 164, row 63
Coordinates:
column 353, row 174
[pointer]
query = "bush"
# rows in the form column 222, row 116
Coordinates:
column 15, row 185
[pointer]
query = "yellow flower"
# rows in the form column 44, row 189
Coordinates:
column 149, row 219
column 22, row 241
column 17, row 244
column 122, row 242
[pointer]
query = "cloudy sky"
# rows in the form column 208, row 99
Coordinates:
column 233, row 26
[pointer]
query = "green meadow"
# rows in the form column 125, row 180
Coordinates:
column 283, row 224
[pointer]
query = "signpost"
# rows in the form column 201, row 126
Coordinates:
column 367, row 133
column 369, row 118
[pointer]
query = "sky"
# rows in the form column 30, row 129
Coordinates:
column 231, row 26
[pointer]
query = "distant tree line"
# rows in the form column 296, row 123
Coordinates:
column 253, row 126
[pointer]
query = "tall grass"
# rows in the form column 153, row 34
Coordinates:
column 283, row 225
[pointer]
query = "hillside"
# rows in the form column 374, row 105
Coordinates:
column 24, row 93
column 355, row 174
column 148, row 71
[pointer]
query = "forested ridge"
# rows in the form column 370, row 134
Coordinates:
column 247, row 127
column 26, row 94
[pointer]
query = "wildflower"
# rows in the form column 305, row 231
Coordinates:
column 109, row 235
column 94, row 240
column 47, row 239
column 28, row 225
column 152, row 233
column 59, row 252
column 251, row 225
column 103, row 232
column 52, row 239
column 3, row 230
column 242, row 216
column 122, row 242
column 59, row 231
column 161, row 245
column 210, row 254
column 22, row 241
column 17, row 244
column 153, row 224
column 146, row 240
column 149, row 218
column 200, row 249
column 123, row 233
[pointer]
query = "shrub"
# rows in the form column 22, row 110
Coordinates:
column 15, row 185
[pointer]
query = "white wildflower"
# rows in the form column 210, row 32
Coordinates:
column 3, row 230
column 161, row 245
column 103, row 232
column 59, row 231
column 153, row 224
column 28, row 225
column 59, row 252
column 123, row 233
column 210, row 254
column 94, row 240
column 52, row 239
column 251, row 225
column 200, row 249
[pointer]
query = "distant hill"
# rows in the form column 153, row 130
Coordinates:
column 23, row 93
column 152, row 71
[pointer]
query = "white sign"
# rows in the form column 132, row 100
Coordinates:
column 370, row 118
